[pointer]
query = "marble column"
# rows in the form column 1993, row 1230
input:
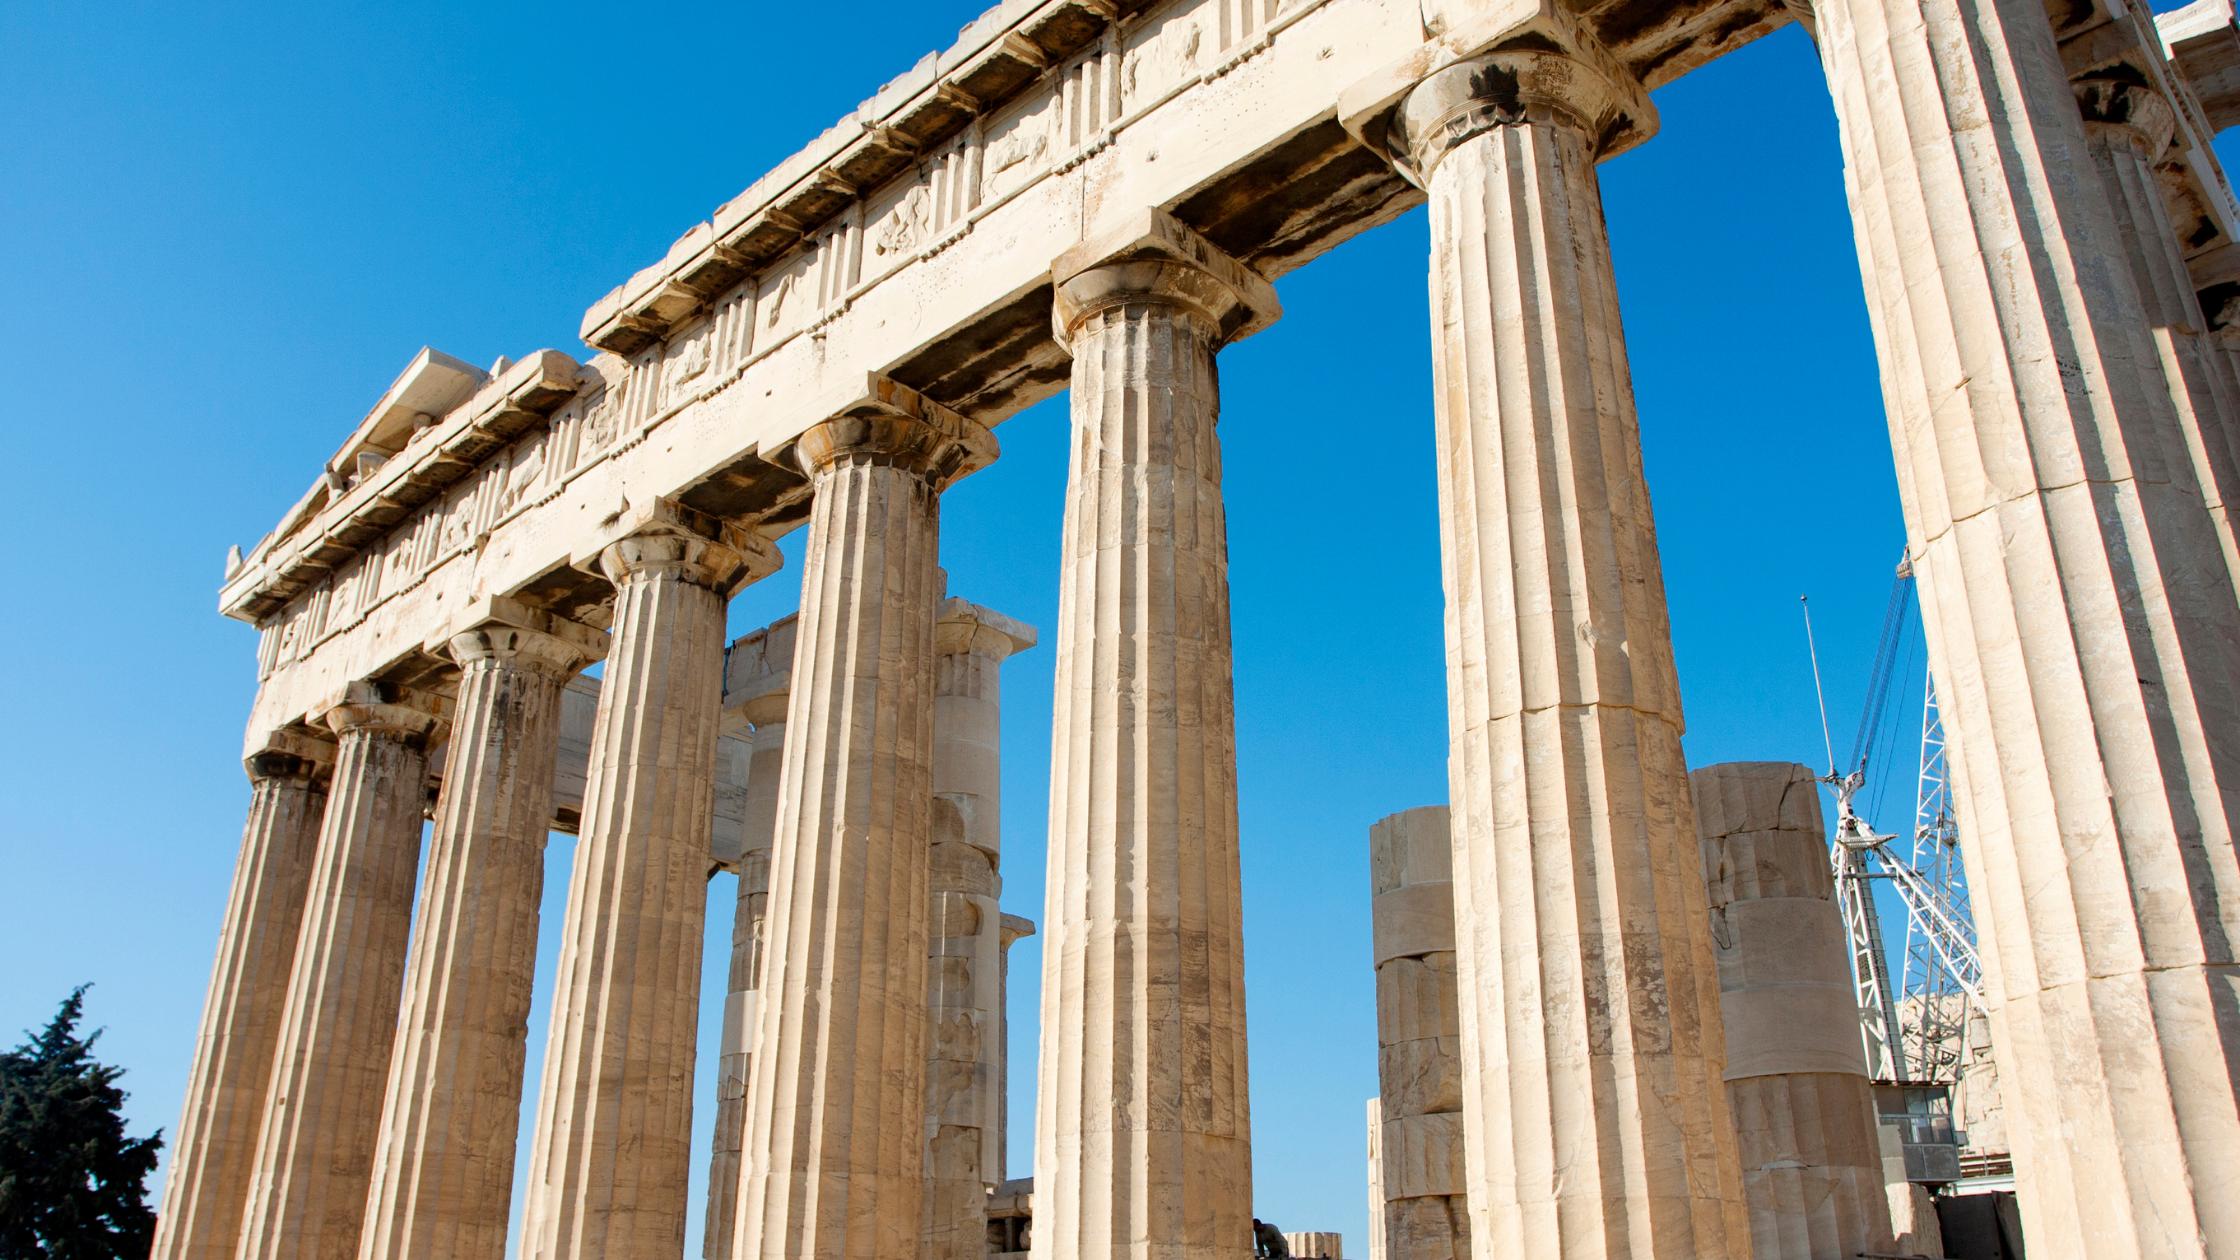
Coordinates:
column 1796, row 1069
column 1595, row 1122
column 2128, row 126
column 965, row 941
column 1143, row 1133
column 612, row 1151
column 443, row 1172
column 2080, row 618
column 1424, row 1209
column 757, row 682
column 314, row 1164
column 215, row 1145
column 835, row 1158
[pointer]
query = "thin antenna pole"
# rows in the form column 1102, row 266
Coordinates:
column 1826, row 739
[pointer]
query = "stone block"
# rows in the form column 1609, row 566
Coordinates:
column 1416, row 999
column 1423, row 1155
column 1417, row 1077
column 1429, row 1227
column 1411, row 847
column 1414, row 919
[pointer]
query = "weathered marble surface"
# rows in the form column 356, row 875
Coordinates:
column 610, row 1157
column 2062, row 389
column 968, row 934
column 1422, row 1205
column 1804, row 1113
column 1594, row 1117
column 1143, row 1130
column 216, row 1142
column 443, row 1169
column 834, row 1164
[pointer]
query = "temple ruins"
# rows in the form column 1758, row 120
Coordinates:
column 1094, row 196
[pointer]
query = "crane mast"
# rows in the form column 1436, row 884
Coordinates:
column 1912, row 1024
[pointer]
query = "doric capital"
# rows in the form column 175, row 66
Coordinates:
column 2120, row 106
column 1011, row 927
column 501, row 643
column 662, row 537
column 961, row 626
column 1506, row 65
column 290, row 754
column 1153, row 257
column 495, row 628
column 385, row 711
column 896, row 426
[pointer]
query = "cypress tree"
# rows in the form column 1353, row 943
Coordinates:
column 72, row 1185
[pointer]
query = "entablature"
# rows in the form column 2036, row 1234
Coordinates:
column 928, row 267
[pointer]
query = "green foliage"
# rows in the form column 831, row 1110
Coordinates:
column 72, row 1185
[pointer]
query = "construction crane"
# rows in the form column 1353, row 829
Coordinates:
column 1916, row 1036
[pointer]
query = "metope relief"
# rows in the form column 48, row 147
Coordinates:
column 1019, row 144
column 1164, row 56
column 684, row 372
column 906, row 226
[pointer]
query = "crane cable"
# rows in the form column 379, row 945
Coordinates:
column 1885, row 660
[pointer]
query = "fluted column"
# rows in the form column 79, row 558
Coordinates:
column 612, row 1151
column 1143, row 1132
column 1796, row 1068
column 443, row 1173
column 307, row 1193
column 835, row 1130
column 1422, row 1208
column 2080, row 618
column 964, row 968
column 215, row 1145
column 1595, row 1121
column 758, row 672
column 2127, row 128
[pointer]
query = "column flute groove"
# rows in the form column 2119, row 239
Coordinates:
column 2127, row 125
column 757, row 680
column 2079, row 610
column 834, row 1159
column 307, row 1195
column 1594, row 1116
column 968, row 931
column 612, row 1153
column 1143, row 1126
column 215, row 1150
column 443, row 1173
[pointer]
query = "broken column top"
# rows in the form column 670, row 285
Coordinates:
column 1410, row 847
column 758, row 674
column 1411, row 869
column 1762, row 831
column 963, row 626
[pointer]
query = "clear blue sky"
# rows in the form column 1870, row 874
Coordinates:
column 224, row 229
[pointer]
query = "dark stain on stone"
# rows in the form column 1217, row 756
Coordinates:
column 1530, row 41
